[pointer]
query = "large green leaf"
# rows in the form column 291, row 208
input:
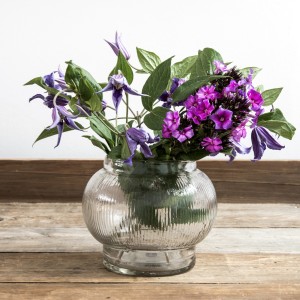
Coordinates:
column 124, row 67
column 97, row 143
column 276, row 122
column 51, row 132
column 148, row 60
column 156, row 84
column 205, row 61
column 245, row 71
column 189, row 87
column 155, row 118
column 194, row 155
column 270, row 96
column 183, row 68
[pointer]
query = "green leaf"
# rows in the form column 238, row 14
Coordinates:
column 276, row 122
column 115, row 152
column 51, row 132
column 270, row 96
column 148, row 60
column 205, row 61
column 156, row 83
column 97, row 143
column 124, row 67
column 245, row 71
column 94, row 103
column 125, row 152
column 183, row 68
column 190, row 86
column 194, row 155
column 155, row 118
column 101, row 128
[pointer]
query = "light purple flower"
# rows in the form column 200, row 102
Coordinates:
column 118, row 46
column 256, row 99
column 201, row 112
column 212, row 145
column 194, row 115
column 261, row 139
column 54, row 81
column 222, row 118
column 247, row 82
column 220, row 67
column 138, row 136
column 172, row 120
column 118, row 83
column 239, row 132
column 166, row 132
column 184, row 134
column 231, row 89
column 208, row 92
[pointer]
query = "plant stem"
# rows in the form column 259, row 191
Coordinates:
column 130, row 118
column 127, row 107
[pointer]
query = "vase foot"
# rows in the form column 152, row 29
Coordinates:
column 148, row 262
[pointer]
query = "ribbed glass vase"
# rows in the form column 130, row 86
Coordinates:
column 150, row 216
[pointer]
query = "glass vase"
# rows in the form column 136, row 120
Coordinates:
column 150, row 216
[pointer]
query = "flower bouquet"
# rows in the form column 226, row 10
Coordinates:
column 150, row 205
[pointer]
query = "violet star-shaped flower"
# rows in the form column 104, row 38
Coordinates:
column 261, row 139
column 222, row 118
column 172, row 120
column 118, row 46
column 212, row 145
column 118, row 84
column 220, row 67
column 138, row 136
column 184, row 134
column 256, row 99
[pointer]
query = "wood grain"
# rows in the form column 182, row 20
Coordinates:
column 69, row 215
column 210, row 268
column 64, row 180
column 149, row 291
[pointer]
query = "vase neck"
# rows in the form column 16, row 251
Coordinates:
column 149, row 166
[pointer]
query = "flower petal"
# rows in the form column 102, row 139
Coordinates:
column 60, row 129
column 55, row 117
column 117, row 97
column 72, row 124
column 37, row 96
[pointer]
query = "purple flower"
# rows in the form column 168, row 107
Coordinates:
column 118, row 83
column 184, row 134
column 191, row 101
column 138, row 136
column 220, row 67
column 201, row 112
column 172, row 120
column 166, row 96
column 256, row 99
column 247, row 81
column 56, row 82
column 166, row 132
column 222, row 118
column 208, row 92
column 261, row 139
column 230, row 89
column 212, row 145
column 239, row 132
column 118, row 46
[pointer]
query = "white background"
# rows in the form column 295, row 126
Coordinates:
column 37, row 36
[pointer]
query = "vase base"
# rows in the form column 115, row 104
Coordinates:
column 148, row 262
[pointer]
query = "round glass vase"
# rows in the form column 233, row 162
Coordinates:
column 150, row 216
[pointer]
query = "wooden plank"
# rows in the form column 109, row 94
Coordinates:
column 219, row 240
column 209, row 269
column 64, row 180
column 149, row 291
column 68, row 215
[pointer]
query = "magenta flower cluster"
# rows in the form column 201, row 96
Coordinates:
column 216, row 116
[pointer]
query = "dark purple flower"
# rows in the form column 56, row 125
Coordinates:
column 166, row 96
column 222, row 118
column 261, row 139
column 212, row 145
column 138, row 136
column 118, row 46
column 208, row 92
column 172, row 120
column 184, row 134
column 231, row 89
column 220, row 67
column 118, row 83
column 256, row 99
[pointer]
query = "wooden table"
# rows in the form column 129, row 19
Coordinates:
column 46, row 252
